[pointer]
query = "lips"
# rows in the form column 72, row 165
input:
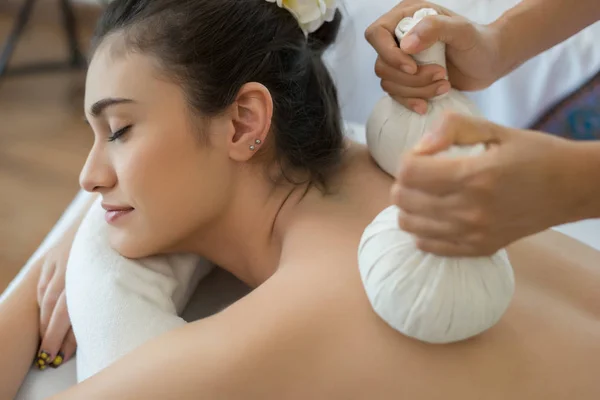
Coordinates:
column 109, row 207
column 115, row 212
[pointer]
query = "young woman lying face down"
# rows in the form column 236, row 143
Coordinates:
column 217, row 131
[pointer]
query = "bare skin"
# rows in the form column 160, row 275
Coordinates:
column 19, row 332
column 309, row 332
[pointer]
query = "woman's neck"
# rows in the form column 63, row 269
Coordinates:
column 247, row 239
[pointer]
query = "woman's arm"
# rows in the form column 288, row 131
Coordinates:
column 19, row 337
column 188, row 363
column 20, row 318
column 241, row 353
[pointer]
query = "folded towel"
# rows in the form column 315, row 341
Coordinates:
column 115, row 303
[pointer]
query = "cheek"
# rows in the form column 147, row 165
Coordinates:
column 175, row 188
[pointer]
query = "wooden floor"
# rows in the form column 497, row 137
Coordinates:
column 43, row 142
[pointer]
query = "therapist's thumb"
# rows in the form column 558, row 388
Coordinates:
column 456, row 129
column 455, row 31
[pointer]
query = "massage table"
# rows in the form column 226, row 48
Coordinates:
column 516, row 100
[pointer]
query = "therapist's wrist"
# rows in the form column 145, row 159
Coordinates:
column 581, row 179
column 511, row 52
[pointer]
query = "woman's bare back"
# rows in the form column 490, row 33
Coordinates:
column 547, row 346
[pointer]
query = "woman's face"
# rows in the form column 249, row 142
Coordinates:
column 159, row 183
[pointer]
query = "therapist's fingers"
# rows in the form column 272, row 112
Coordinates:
column 457, row 32
column 426, row 227
column 412, row 91
column 417, row 202
column 425, row 92
column 433, row 175
column 457, row 129
column 381, row 35
column 386, row 46
column 426, row 74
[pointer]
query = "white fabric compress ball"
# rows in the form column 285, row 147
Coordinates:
column 393, row 128
column 430, row 298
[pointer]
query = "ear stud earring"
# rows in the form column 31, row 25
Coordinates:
column 257, row 142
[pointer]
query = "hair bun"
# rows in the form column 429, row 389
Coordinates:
column 325, row 36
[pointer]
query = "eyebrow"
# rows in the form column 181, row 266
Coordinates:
column 101, row 105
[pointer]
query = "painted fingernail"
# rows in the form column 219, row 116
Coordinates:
column 58, row 360
column 42, row 360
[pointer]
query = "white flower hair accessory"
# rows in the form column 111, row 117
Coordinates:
column 310, row 14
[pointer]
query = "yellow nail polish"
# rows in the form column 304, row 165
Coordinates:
column 43, row 355
column 41, row 363
column 43, row 367
column 57, row 361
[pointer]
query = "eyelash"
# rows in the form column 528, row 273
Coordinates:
column 118, row 133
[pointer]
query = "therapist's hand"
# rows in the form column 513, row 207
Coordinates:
column 524, row 183
column 473, row 54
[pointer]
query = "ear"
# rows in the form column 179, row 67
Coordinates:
column 251, row 117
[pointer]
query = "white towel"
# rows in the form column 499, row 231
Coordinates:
column 116, row 304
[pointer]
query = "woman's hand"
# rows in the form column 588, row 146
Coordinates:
column 524, row 183
column 473, row 54
column 58, row 342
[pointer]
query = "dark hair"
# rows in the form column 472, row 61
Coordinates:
column 213, row 47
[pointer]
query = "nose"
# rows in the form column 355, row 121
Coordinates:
column 97, row 173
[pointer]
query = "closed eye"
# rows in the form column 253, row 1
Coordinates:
column 119, row 133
